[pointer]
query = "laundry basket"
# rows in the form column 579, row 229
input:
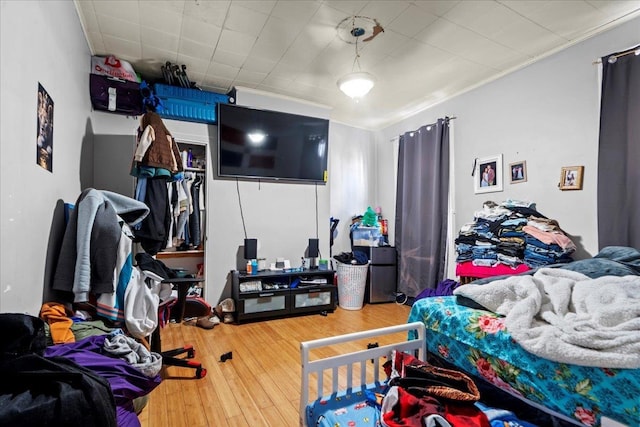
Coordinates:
column 352, row 280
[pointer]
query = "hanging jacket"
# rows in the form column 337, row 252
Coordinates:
column 156, row 147
column 89, row 247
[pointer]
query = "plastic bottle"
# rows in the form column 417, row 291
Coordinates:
column 189, row 158
column 254, row 267
column 249, row 265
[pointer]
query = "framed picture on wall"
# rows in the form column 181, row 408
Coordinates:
column 571, row 177
column 518, row 171
column 487, row 176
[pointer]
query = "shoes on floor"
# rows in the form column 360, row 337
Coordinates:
column 208, row 322
column 228, row 305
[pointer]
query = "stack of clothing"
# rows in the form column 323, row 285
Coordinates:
column 512, row 234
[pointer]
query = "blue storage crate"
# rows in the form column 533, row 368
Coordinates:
column 190, row 105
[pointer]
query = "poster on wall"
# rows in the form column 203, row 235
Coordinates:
column 44, row 141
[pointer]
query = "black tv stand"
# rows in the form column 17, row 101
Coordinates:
column 271, row 294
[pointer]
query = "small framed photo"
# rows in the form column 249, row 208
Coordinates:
column 571, row 178
column 518, row 172
column 487, row 176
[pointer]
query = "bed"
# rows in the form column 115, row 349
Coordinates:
column 338, row 386
column 591, row 388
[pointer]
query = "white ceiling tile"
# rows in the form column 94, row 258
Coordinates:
column 95, row 43
column 233, row 41
column 222, row 70
column 126, row 10
column 316, row 35
column 319, row 80
column 301, row 51
column 155, row 38
column 174, row 6
column 278, row 30
column 151, row 52
column 268, row 49
column 328, row 17
column 246, row 76
column 163, row 19
column 566, row 18
column 230, row 58
column 196, row 50
column 216, row 84
column 613, row 9
column 245, row 20
column 411, row 21
column 450, row 37
column 118, row 28
column 436, row 7
column 483, row 17
column 418, row 61
column 295, row 11
column 260, row 65
column 211, row 12
column 276, row 82
column 287, row 71
column 123, row 49
column 87, row 15
column 384, row 11
column 384, row 43
column 200, row 31
column 347, row 6
column 264, row 6
column 420, row 53
column 194, row 65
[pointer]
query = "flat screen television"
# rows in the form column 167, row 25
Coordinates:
column 263, row 144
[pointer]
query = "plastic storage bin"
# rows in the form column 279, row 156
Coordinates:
column 352, row 281
column 187, row 104
column 366, row 236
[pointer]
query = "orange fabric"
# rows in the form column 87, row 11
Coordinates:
column 55, row 314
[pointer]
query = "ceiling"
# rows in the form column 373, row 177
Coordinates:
column 429, row 50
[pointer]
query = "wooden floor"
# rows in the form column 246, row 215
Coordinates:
column 260, row 386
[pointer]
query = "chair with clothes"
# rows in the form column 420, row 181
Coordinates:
column 94, row 241
column 166, row 275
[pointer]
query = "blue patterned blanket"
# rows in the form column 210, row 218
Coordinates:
column 477, row 342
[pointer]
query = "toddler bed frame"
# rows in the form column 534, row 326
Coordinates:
column 354, row 362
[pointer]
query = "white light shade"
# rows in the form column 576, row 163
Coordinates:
column 356, row 85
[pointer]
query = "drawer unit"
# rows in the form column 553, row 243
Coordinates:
column 271, row 294
column 313, row 299
column 253, row 305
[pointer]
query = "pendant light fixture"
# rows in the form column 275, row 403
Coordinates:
column 357, row 83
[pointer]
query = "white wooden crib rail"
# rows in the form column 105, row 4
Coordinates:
column 353, row 359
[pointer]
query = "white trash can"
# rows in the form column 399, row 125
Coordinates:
column 352, row 280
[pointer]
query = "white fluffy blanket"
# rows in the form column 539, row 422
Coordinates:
column 567, row 317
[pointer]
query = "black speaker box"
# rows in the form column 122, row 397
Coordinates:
column 313, row 248
column 250, row 248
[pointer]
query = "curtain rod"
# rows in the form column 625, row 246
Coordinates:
column 635, row 50
column 431, row 124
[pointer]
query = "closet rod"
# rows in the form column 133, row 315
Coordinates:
column 635, row 50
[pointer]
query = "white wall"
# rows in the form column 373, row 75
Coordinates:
column 352, row 178
column 546, row 114
column 41, row 41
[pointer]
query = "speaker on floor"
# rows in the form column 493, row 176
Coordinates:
column 250, row 248
column 313, row 248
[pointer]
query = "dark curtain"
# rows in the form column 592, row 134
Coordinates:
column 421, row 207
column 619, row 152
